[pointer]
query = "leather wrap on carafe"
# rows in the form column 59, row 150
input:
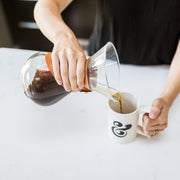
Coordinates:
column 50, row 67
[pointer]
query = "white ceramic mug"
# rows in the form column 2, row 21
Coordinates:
column 124, row 127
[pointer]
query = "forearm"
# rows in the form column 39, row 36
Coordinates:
column 172, row 87
column 48, row 17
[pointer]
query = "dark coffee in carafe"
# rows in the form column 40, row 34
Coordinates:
column 44, row 89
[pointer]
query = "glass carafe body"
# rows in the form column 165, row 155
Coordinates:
column 102, row 75
column 38, row 82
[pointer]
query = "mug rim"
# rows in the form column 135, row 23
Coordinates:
column 127, row 114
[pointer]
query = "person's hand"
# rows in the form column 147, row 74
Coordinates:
column 157, row 119
column 68, row 61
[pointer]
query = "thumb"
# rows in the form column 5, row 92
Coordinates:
column 156, row 109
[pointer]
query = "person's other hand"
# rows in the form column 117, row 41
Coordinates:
column 157, row 119
column 68, row 61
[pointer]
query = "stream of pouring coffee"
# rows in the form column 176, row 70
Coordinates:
column 115, row 95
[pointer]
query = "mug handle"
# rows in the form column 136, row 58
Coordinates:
column 143, row 109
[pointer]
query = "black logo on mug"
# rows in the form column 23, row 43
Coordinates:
column 119, row 129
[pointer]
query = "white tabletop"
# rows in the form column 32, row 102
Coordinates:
column 69, row 140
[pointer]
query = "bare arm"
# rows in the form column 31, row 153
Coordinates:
column 172, row 88
column 68, row 58
column 47, row 14
column 157, row 119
